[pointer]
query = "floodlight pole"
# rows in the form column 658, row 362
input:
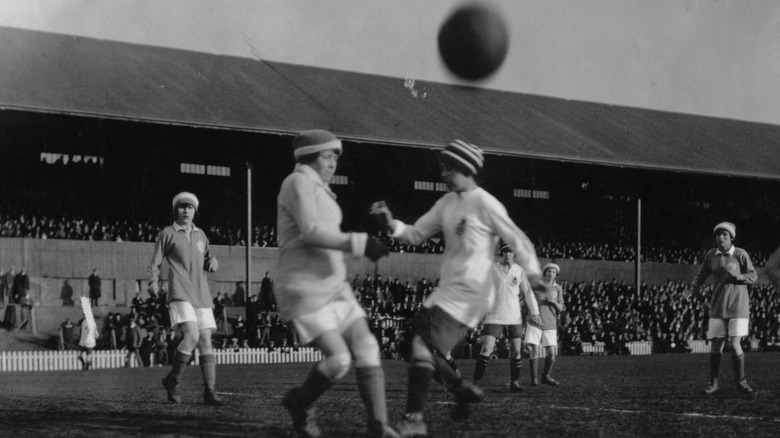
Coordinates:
column 248, row 232
column 638, row 258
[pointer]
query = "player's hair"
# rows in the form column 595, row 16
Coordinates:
column 310, row 158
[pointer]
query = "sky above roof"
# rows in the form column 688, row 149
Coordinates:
column 712, row 58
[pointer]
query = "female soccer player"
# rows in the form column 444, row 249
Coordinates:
column 472, row 220
column 312, row 290
column 545, row 333
column 186, row 248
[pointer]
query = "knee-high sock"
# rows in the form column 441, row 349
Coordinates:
column 448, row 375
column 515, row 364
column 180, row 361
column 480, row 367
column 371, row 384
column 715, row 366
column 208, row 366
column 533, row 365
column 738, row 362
column 315, row 384
column 420, row 374
column 549, row 361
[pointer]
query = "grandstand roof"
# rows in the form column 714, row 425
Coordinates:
column 65, row 74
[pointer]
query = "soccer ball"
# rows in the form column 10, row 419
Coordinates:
column 473, row 42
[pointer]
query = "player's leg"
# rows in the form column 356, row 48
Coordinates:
column 208, row 363
column 533, row 339
column 488, row 344
column 738, row 328
column 183, row 315
column 515, row 361
column 370, row 375
column 299, row 401
column 716, row 333
column 550, row 343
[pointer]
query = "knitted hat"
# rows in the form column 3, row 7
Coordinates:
column 185, row 198
column 552, row 266
column 314, row 141
column 728, row 226
column 466, row 154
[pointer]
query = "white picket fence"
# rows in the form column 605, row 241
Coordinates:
column 11, row 361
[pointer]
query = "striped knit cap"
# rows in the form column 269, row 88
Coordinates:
column 313, row 142
column 466, row 154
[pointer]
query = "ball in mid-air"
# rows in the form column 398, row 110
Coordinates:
column 473, row 41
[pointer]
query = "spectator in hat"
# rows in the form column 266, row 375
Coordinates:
column 542, row 335
column 472, row 220
column 732, row 270
column 312, row 289
column 505, row 318
column 186, row 249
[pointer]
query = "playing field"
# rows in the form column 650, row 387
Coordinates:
column 603, row 396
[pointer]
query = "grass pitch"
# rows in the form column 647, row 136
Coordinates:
column 603, row 396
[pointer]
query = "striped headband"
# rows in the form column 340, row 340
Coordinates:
column 467, row 154
column 314, row 141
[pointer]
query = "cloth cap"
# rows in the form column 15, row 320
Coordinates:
column 466, row 154
column 314, row 141
column 185, row 198
column 728, row 226
column 552, row 266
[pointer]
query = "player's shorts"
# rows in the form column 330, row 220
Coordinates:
column 87, row 350
column 535, row 336
column 337, row 315
column 439, row 328
column 512, row 331
column 721, row 328
column 182, row 311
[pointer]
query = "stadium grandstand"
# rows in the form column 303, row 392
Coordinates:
column 93, row 153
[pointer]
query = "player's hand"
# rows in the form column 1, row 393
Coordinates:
column 382, row 215
column 686, row 293
column 534, row 320
column 212, row 265
column 154, row 286
column 375, row 249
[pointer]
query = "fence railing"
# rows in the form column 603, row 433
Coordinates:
column 101, row 359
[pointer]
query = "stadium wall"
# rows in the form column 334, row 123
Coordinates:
column 122, row 267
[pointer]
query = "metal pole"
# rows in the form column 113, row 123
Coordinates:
column 248, row 232
column 638, row 262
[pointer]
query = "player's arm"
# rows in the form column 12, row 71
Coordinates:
column 531, row 304
column 210, row 262
column 302, row 203
column 700, row 278
column 153, row 270
column 426, row 226
column 558, row 301
column 749, row 276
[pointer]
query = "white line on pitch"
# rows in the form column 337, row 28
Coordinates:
column 684, row 414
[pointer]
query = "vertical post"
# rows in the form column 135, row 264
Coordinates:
column 248, row 232
column 638, row 262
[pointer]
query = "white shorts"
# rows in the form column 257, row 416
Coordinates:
column 534, row 335
column 336, row 315
column 182, row 311
column 736, row 327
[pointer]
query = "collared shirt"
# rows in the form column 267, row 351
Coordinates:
column 510, row 281
column 471, row 222
column 187, row 254
column 308, row 223
column 731, row 273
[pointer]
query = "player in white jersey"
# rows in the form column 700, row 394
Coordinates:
column 505, row 316
column 472, row 220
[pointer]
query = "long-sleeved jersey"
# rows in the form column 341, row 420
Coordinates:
column 308, row 223
column 188, row 258
column 510, row 282
column 732, row 271
column 548, row 313
column 472, row 222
